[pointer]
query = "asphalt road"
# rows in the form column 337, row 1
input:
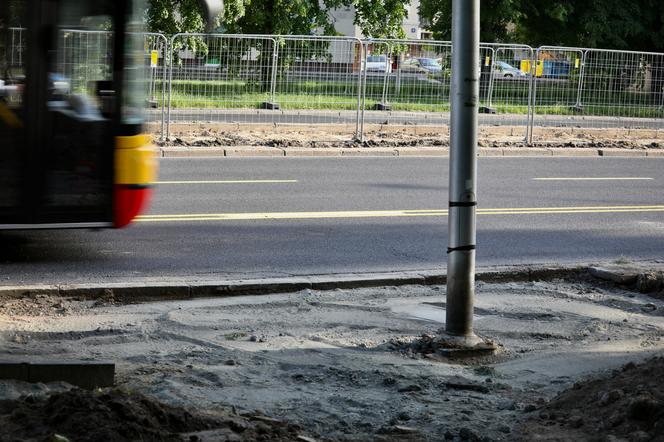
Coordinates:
column 250, row 218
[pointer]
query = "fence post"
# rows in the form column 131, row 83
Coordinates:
column 163, row 85
column 578, row 106
column 363, row 81
column 491, row 80
column 397, row 81
column 170, row 84
column 532, row 92
column 275, row 62
column 358, row 133
column 388, row 65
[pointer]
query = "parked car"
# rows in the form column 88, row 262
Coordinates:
column 507, row 71
column 422, row 65
column 377, row 63
column 430, row 64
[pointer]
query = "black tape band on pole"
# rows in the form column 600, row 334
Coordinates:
column 460, row 249
column 463, row 203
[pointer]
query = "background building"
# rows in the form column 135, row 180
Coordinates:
column 343, row 22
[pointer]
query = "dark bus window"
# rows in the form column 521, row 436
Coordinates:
column 12, row 80
column 80, row 107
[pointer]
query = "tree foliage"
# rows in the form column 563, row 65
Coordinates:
column 376, row 18
column 380, row 18
column 615, row 24
column 496, row 18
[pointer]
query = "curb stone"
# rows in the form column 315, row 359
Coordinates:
column 618, row 274
column 424, row 151
column 622, row 153
column 131, row 292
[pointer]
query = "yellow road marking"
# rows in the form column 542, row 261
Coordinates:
column 593, row 179
column 229, row 182
column 391, row 213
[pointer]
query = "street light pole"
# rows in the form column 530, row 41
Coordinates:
column 463, row 169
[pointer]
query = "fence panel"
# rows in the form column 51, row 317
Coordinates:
column 557, row 75
column 317, row 83
column 220, row 78
column 336, row 85
column 83, row 57
column 13, row 65
column 17, row 46
column 626, row 87
column 598, row 89
column 156, row 74
column 508, row 97
column 407, row 82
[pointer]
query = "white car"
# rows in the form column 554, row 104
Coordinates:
column 507, row 71
column 377, row 63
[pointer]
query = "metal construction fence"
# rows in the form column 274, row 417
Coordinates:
column 348, row 84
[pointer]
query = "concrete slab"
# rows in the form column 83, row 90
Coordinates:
column 617, row 274
column 310, row 152
column 622, row 153
column 84, row 374
column 364, row 280
column 255, row 152
column 575, row 152
column 371, row 152
column 527, row 152
column 27, row 291
column 423, row 152
column 490, row 152
column 187, row 152
column 15, row 370
column 236, row 288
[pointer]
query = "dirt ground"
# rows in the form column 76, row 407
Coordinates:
column 321, row 136
column 348, row 365
column 626, row 405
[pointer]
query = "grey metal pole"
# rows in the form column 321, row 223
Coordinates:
column 463, row 167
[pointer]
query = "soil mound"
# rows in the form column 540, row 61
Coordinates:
column 116, row 415
column 626, row 406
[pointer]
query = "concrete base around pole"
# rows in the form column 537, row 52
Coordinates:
column 455, row 346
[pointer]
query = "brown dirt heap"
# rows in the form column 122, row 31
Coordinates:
column 626, row 406
column 116, row 415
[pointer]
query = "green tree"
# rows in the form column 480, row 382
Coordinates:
column 636, row 25
column 613, row 24
column 174, row 16
column 282, row 17
column 380, row 18
column 497, row 18
column 376, row 18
